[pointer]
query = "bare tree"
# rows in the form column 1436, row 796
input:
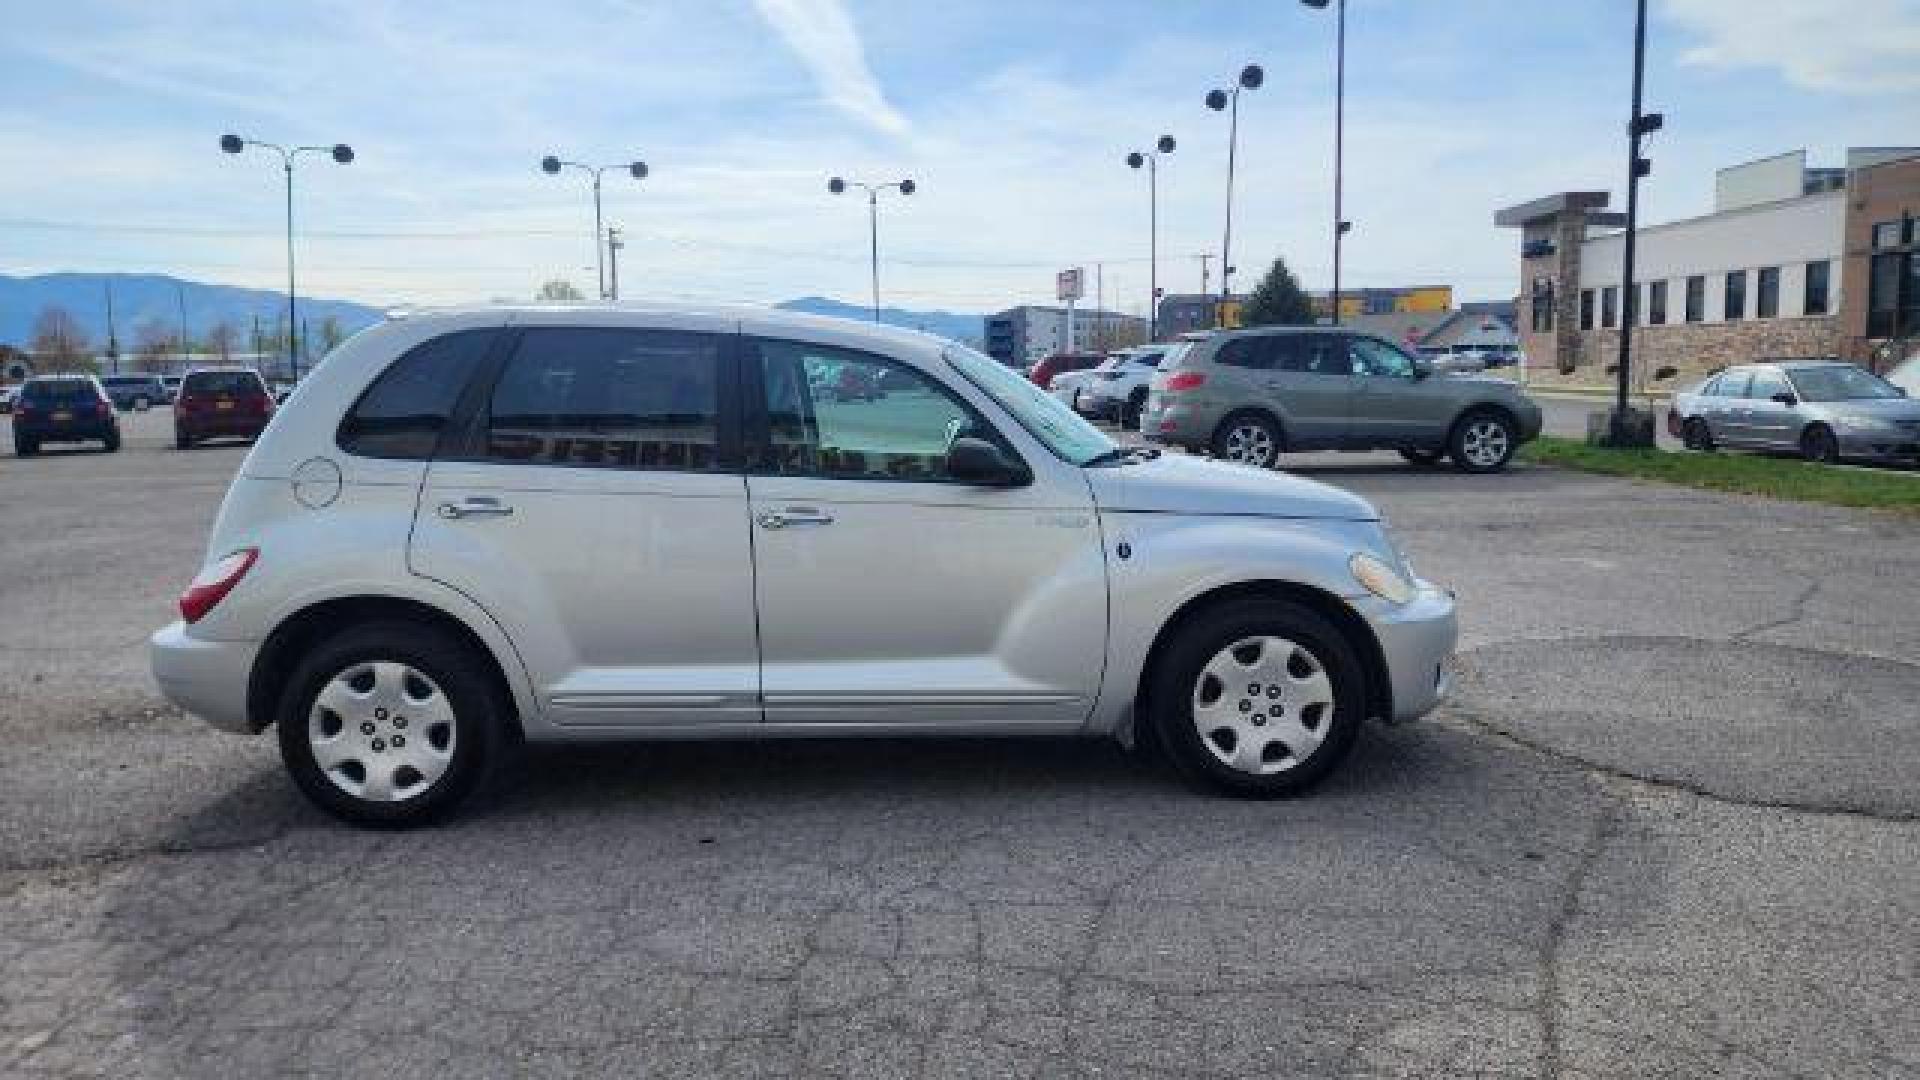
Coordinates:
column 559, row 291
column 60, row 342
column 331, row 335
column 153, row 343
column 220, row 339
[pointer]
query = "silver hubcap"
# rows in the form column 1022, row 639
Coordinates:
column 381, row 731
column 1263, row 705
column 1250, row 443
column 1485, row 442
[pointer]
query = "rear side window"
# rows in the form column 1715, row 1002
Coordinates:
column 609, row 398
column 223, row 382
column 1734, row 384
column 1247, row 352
column 402, row 414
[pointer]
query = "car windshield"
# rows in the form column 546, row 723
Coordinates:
column 59, row 390
column 1840, row 382
column 1043, row 415
column 223, row 382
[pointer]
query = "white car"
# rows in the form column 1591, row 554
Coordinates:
column 584, row 524
column 1118, row 390
column 1068, row 386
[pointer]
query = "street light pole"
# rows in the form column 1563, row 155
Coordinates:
column 1250, row 78
column 1638, row 125
column 838, row 185
column 1340, row 224
column 341, row 154
column 1151, row 159
column 552, row 165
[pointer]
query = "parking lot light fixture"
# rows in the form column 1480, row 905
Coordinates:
column 1250, row 78
column 1151, row 161
column 342, row 154
column 839, row 185
column 551, row 165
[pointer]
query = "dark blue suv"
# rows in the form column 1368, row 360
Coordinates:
column 63, row 408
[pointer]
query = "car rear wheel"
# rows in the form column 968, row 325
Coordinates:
column 1258, row 699
column 111, row 442
column 1248, row 438
column 1696, row 435
column 1423, row 458
column 391, row 723
column 1483, row 442
column 1819, row 445
column 180, row 439
column 25, row 447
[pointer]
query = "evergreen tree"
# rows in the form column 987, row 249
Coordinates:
column 1278, row 301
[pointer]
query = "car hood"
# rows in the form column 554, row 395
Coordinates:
column 1182, row 484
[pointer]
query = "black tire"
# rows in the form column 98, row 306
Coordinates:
column 111, row 442
column 1130, row 412
column 1819, row 445
column 1177, row 677
column 24, row 447
column 181, row 441
column 1474, row 432
column 1237, row 431
column 1696, row 435
column 479, row 731
column 1426, row 459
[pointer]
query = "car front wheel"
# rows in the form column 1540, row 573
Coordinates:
column 391, row 723
column 1250, row 439
column 1696, row 435
column 1483, row 442
column 1259, row 699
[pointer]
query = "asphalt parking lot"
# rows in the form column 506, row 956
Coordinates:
column 1669, row 826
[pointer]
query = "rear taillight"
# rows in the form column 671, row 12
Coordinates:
column 214, row 583
column 1182, row 381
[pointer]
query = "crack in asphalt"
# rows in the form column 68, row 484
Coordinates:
column 1796, row 612
column 1552, row 999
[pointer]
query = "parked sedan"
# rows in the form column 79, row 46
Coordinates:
column 1825, row 410
column 1118, row 390
column 1249, row 395
column 652, row 523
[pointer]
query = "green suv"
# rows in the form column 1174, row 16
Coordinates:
column 1250, row 395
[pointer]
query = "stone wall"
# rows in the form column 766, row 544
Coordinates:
column 1692, row 348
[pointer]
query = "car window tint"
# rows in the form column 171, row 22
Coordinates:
column 1734, row 384
column 608, row 398
column 1254, row 353
column 848, row 415
column 59, row 390
column 1373, row 357
column 223, row 382
column 401, row 415
column 1766, row 384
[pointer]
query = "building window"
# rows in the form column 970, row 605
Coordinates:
column 1609, row 299
column 1696, row 298
column 1542, row 305
column 1815, row 300
column 1893, row 295
column 1736, row 305
column 1766, row 305
column 1657, row 303
column 1886, row 234
column 1586, row 309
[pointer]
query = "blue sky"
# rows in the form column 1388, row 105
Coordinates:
column 1014, row 119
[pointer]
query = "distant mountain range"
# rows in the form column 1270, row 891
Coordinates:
column 140, row 297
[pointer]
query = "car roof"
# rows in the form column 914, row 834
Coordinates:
column 636, row 313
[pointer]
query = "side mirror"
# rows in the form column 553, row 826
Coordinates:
column 1786, row 399
column 982, row 464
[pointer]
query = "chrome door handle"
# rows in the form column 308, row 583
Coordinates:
column 794, row 516
column 475, row 507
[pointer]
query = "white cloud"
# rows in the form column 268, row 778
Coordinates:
column 1862, row 46
column 822, row 34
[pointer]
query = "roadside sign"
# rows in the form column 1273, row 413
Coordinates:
column 1070, row 284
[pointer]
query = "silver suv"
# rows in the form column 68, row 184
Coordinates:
column 1250, row 395
column 473, row 527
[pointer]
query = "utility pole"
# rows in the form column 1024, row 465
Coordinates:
column 180, row 295
column 614, row 244
column 1626, row 427
column 113, row 340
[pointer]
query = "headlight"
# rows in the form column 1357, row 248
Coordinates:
column 1380, row 579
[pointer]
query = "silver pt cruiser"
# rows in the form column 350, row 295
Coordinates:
column 469, row 528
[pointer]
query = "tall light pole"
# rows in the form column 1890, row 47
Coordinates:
column 339, row 152
column 1151, row 159
column 1250, row 79
column 638, row 169
column 1340, row 224
column 838, row 185
column 1639, row 125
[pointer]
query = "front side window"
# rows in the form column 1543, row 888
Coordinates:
column 1372, row 356
column 1766, row 304
column 1696, row 298
column 402, row 414
column 855, row 416
column 1736, row 305
column 608, row 398
column 1765, row 385
column 1656, row 303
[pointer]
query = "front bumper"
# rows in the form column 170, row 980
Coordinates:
column 205, row 678
column 1879, row 444
column 1416, row 641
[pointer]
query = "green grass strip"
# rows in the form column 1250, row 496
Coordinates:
column 1746, row 474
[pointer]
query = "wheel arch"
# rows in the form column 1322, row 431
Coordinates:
column 1366, row 645
column 280, row 652
column 1476, row 408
